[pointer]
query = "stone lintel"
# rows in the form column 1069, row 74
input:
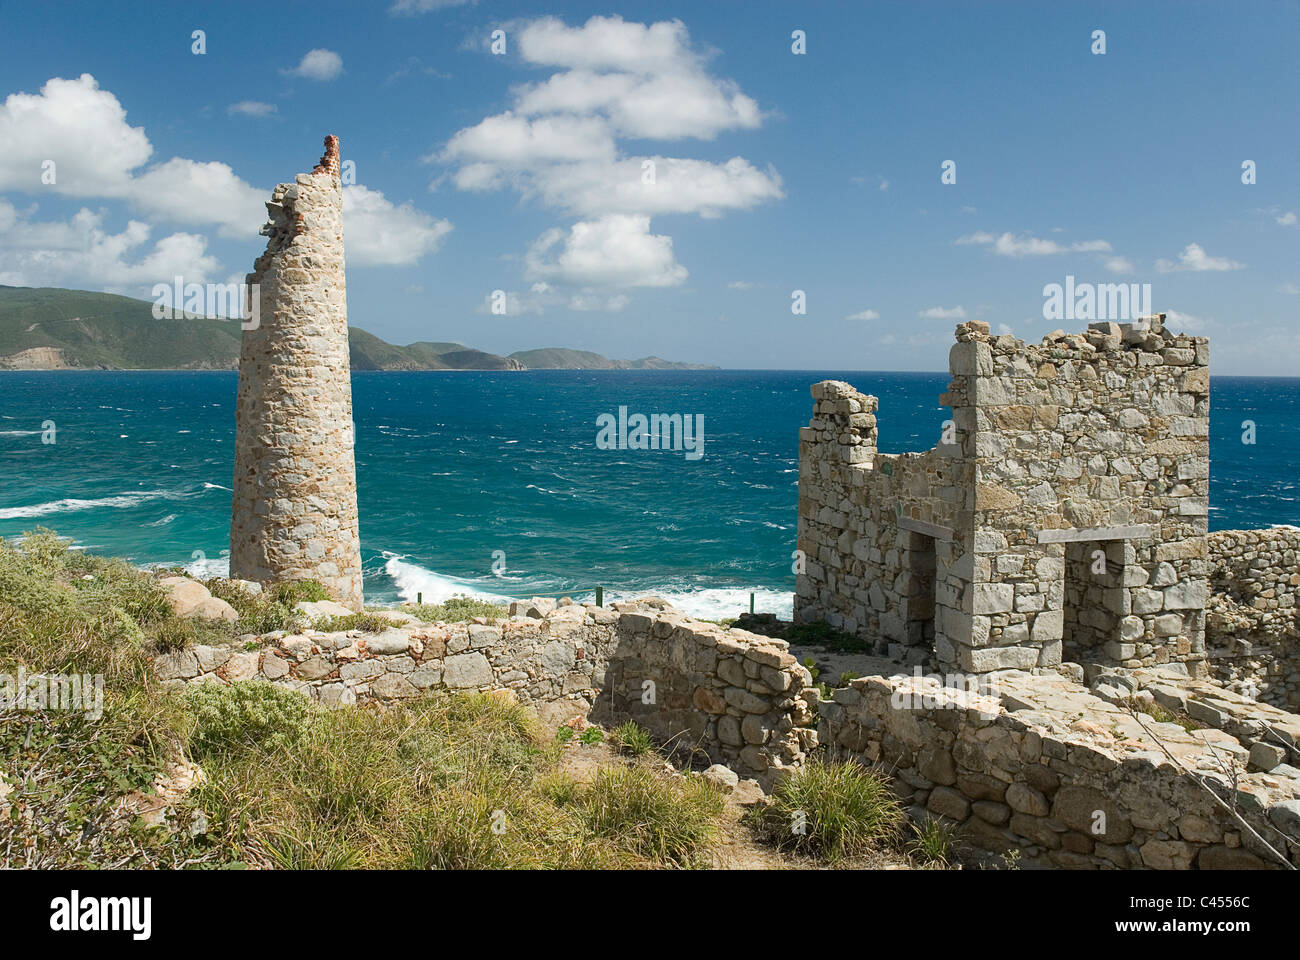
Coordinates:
column 1137, row 531
column 927, row 529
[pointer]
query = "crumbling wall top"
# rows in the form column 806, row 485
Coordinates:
column 329, row 162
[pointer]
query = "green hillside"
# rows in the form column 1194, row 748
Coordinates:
column 46, row 328
column 105, row 331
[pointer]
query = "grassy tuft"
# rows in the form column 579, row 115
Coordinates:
column 831, row 810
column 252, row 716
column 933, row 843
column 633, row 738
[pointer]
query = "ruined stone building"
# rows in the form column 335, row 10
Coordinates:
column 1063, row 512
column 295, row 493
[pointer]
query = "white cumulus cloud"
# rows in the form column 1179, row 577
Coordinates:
column 319, row 64
column 81, row 251
column 1011, row 245
column 376, row 232
column 251, row 108
column 560, row 143
column 1195, row 259
column 83, row 132
column 943, row 313
column 614, row 251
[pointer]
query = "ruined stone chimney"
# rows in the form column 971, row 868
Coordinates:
column 295, row 501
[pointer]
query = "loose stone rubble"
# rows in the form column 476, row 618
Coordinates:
column 1251, row 618
column 294, row 514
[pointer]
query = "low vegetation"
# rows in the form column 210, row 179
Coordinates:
column 1162, row 714
column 632, row 738
column 830, row 810
column 366, row 622
column 456, row 609
column 816, row 634
column 450, row 782
column 933, row 843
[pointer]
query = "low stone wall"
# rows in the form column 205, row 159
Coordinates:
column 1253, row 618
column 556, row 664
column 741, row 699
column 1043, row 767
column 736, row 697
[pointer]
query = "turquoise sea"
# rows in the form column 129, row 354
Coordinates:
column 492, row 483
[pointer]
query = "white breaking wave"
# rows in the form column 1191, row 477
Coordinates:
column 71, row 504
column 208, row 567
column 714, row 603
column 706, row 603
column 413, row 579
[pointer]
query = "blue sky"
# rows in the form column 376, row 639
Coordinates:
column 775, row 172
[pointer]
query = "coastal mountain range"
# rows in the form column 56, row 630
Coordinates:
column 47, row 328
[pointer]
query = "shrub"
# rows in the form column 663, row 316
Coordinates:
column 829, row 809
column 456, row 609
column 272, row 609
column 632, row 738
column 932, row 843
column 253, row 714
column 366, row 622
column 291, row 592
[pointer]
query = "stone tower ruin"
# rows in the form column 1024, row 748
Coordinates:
column 295, row 492
column 1063, row 512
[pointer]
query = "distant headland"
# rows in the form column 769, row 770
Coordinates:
column 48, row 328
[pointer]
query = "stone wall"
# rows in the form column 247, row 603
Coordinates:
column 1026, row 764
column 294, row 513
column 733, row 696
column 739, row 698
column 1044, row 768
column 559, row 659
column 1253, row 619
column 873, row 565
column 1094, row 443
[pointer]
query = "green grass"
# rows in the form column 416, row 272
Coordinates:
column 933, row 843
column 632, row 738
column 444, row 782
column 365, row 622
column 821, row 634
column 460, row 782
column 630, row 807
column 272, row 609
column 1162, row 714
column 67, row 612
column 456, row 609
column 830, row 810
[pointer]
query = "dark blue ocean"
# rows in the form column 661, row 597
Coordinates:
column 458, row 471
